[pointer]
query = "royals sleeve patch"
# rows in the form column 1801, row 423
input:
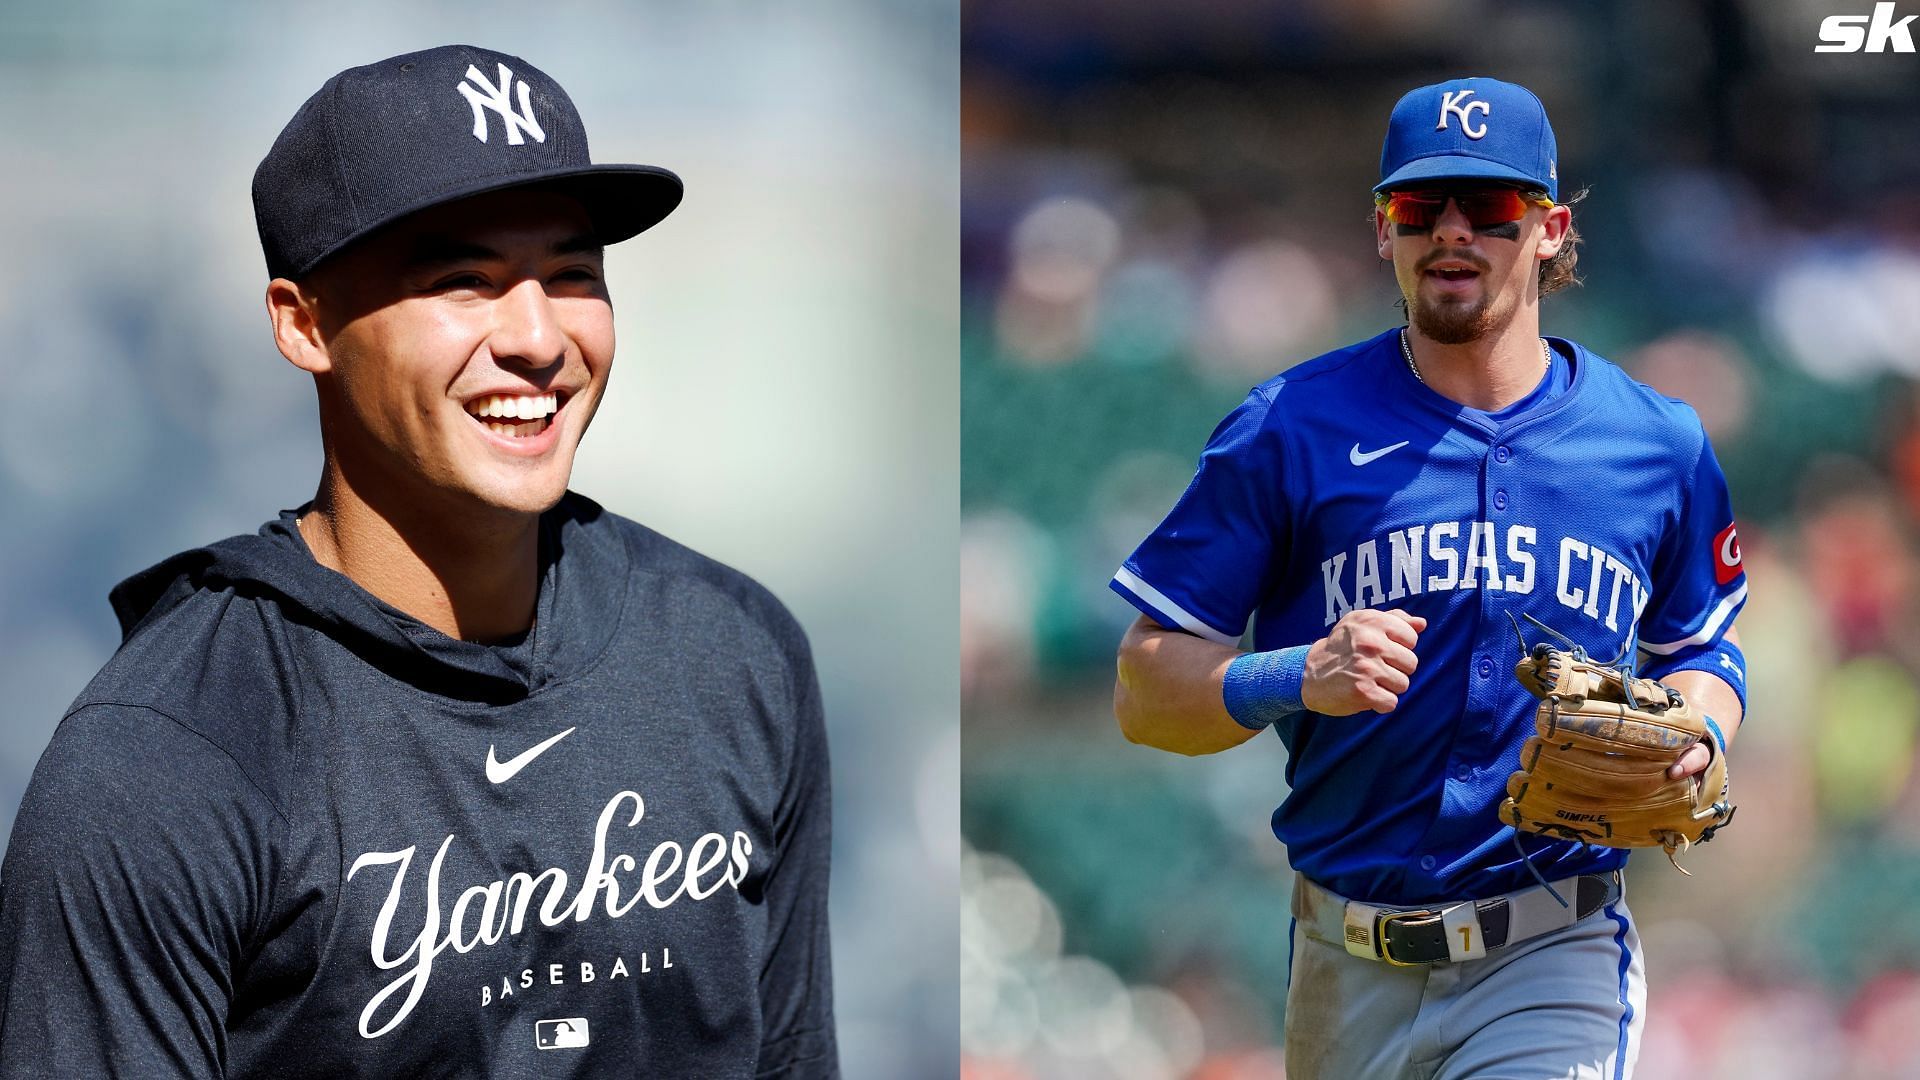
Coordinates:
column 1726, row 555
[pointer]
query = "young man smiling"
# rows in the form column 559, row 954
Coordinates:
column 1386, row 514
column 460, row 354
column 448, row 771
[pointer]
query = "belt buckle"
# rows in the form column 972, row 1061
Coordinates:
column 1381, row 945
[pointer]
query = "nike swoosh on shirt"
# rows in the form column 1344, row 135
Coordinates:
column 1359, row 458
column 500, row 772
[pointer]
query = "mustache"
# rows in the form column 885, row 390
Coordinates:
column 1479, row 264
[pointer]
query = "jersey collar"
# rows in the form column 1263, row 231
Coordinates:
column 1472, row 421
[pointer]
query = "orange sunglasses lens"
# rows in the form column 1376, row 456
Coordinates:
column 1493, row 206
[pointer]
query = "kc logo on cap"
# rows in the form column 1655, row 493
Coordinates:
column 1450, row 102
column 1470, row 129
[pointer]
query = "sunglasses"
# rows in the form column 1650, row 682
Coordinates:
column 1483, row 207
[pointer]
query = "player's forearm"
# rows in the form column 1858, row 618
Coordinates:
column 1167, row 694
column 1710, row 694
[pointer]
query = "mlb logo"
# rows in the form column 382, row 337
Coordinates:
column 560, row 1034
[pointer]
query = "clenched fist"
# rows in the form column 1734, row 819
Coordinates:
column 1363, row 663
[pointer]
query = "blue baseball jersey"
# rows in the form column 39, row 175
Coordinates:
column 1595, row 505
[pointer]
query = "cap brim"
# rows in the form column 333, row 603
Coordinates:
column 622, row 200
column 1455, row 167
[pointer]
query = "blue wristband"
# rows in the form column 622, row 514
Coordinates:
column 1263, row 687
column 1719, row 740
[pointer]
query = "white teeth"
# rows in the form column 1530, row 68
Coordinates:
column 530, row 407
column 512, row 429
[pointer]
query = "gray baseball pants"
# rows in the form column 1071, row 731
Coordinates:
column 1569, row 1003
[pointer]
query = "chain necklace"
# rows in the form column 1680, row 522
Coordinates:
column 1406, row 350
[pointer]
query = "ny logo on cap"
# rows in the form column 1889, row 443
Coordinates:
column 1452, row 101
column 495, row 98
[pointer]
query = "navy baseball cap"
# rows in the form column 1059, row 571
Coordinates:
column 1470, row 129
column 379, row 142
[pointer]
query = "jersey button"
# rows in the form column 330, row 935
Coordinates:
column 1500, row 499
column 1486, row 667
column 1462, row 774
column 1500, row 454
column 1428, row 862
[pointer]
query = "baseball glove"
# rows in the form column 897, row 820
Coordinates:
column 1596, row 770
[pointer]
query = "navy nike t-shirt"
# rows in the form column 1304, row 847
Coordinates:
column 290, row 831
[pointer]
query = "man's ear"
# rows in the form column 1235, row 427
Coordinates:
column 1553, row 232
column 1383, row 234
column 293, row 308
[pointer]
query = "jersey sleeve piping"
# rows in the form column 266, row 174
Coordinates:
column 1154, row 603
column 1708, row 630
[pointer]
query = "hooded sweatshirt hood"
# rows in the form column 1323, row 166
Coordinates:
column 274, row 565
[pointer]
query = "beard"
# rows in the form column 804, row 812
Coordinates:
column 1453, row 322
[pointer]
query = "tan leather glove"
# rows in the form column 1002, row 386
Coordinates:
column 1596, row 769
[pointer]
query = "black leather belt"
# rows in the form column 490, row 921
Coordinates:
column 1412, row 938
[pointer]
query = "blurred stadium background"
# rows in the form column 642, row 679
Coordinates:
column 783, row 396
column 1167, row 203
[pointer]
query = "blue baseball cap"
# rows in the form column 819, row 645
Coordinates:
column 387, row 139
column 1470, row 129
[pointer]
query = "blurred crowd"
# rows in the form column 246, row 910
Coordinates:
column 1164, row 207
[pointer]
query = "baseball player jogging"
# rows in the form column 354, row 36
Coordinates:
column 1454, row 540
column 448, row 772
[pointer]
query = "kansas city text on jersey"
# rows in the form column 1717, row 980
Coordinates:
column 1450, row 555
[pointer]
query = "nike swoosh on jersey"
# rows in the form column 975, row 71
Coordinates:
column 1359, row 458
column 500, row 772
